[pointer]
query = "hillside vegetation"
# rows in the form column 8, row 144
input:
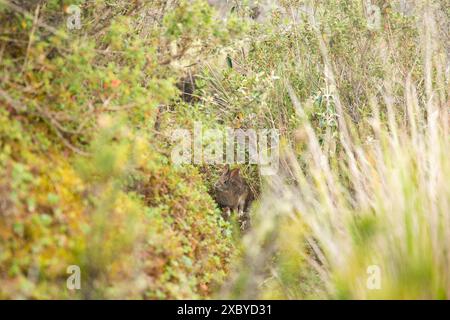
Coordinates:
column 358, row 92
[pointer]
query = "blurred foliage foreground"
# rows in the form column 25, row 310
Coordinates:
column 83, row 177
column 85, row 171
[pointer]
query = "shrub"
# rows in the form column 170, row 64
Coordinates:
column 84, row 179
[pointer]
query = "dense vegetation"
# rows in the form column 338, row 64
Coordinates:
column 86, row 177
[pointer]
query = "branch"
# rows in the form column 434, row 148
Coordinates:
column 52, row 123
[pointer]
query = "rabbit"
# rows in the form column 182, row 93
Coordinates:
column 187, row 86
column 233, row 194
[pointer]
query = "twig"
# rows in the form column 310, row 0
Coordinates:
column 68, row 144
column 30, row 41
column 26, row 13
column 13, row 103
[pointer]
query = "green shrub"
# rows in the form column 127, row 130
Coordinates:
column 84, row 179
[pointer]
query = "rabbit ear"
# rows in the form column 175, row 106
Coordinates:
column 234, row 173
column 226, row 168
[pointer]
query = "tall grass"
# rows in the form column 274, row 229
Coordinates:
column 380, row 202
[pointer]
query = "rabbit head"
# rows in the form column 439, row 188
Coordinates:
column 231, row 190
